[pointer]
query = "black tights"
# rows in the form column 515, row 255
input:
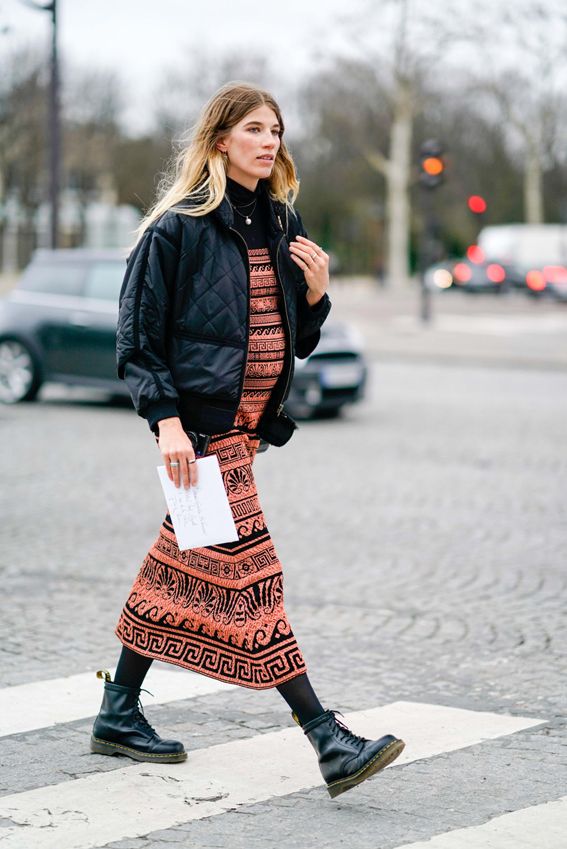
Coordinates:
column 132, row 668
column 301, row 697
column 298, row 693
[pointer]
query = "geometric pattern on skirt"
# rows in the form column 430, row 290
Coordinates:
column 219, row 610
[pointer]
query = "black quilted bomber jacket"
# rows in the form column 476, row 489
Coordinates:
column 183, row 324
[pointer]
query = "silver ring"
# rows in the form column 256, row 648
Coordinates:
column 173, row 463
column 191, row 461
column 314, row 256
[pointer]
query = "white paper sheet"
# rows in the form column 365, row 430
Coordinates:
column 200, row 514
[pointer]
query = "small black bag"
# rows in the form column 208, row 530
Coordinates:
column 277, row 430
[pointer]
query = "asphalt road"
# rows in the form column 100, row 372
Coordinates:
column 423, row 541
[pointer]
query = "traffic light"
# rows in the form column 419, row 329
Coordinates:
column 431, row 164
column 476, row 204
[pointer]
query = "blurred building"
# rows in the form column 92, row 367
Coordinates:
column 97, row 223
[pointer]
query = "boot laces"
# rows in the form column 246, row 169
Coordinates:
column 139, row 715
column 346, row 733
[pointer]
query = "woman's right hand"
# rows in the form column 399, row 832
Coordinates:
column 176, row 447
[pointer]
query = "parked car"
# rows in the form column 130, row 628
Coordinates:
column 335, row 374
column 548, row 280
column 474, row 273
column 59, row 325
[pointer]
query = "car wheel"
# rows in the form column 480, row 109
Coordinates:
column 19, row 374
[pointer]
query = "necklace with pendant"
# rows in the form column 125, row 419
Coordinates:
column 248, row 216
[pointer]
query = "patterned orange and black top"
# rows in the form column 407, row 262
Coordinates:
column 266, row 348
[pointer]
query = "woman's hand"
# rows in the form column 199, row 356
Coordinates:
column 314, row 263
column 178, row 453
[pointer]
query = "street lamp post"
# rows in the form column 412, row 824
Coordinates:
column 54, row 120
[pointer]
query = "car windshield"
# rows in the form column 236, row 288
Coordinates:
column 100, row 279
column 53, row 278
column 104, row 280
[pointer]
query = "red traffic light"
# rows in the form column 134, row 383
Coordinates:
column 476, row 204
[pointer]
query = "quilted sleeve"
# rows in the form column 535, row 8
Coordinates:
column 144, row 305
column 309, row 318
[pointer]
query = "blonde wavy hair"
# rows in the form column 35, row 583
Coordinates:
column 199, row 169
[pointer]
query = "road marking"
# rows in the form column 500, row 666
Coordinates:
column 40, row 704
column 539, row 827
column 138, row 799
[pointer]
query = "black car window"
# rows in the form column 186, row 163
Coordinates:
column 104, row 280
column 53, row 278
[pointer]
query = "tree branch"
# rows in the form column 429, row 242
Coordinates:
column 377, row 161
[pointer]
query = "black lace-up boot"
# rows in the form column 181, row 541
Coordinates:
column 122, row 729
column 345, row 759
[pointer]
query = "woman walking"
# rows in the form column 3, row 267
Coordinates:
column 222, row 291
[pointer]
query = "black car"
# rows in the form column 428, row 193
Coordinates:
column 474, row 275
column 333, row 375
column 59, row 325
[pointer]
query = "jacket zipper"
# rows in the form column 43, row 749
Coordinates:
column 247, row 265
column 280, row 407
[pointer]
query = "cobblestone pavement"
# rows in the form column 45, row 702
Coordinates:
column 423, row 541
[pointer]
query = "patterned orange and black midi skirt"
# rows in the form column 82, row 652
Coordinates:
column 219, row 610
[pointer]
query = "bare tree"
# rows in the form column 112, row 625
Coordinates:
column 522, row 75
column 404, row 43
column 340, row 109
column 137, row 163
column 188, row 84
column 23, row 122
column 506, row 62
column 93, row 106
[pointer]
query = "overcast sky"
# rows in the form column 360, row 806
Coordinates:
column 141, row 37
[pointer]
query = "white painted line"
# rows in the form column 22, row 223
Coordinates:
column 139, row 799
column 44, row 703
column 539, row 827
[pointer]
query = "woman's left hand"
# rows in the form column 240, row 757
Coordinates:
column 314, row 263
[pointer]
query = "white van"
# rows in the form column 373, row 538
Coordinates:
column 538, row 251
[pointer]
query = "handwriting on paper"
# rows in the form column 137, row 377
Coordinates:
column 200, row 514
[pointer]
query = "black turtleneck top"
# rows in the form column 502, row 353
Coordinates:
column 246, row 202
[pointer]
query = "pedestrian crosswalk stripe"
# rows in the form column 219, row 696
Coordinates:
column 40, row 704
column 138, row 799
column 538, row 827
